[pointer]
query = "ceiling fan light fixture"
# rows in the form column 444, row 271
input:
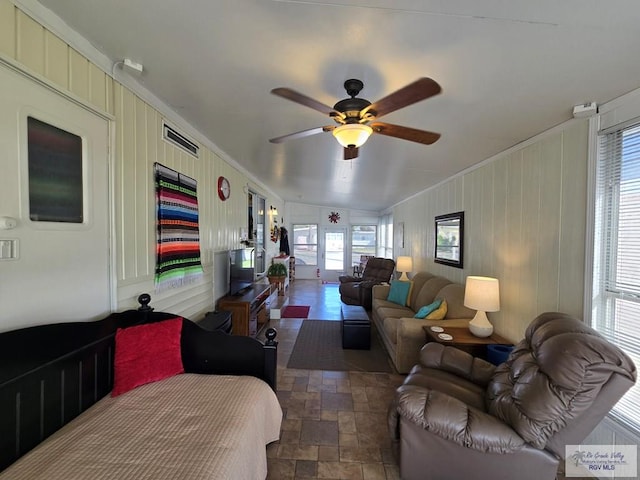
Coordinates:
column 352, row 134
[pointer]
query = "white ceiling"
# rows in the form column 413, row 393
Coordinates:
column 508, row 70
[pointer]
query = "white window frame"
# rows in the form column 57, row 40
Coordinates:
column 385, row 236
column 355, row 255
column 294, row 244
column 604, row 298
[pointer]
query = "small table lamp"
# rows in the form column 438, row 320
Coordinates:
column 404, row 265
column 483, row 295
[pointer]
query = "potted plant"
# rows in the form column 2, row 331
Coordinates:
column 277, row 272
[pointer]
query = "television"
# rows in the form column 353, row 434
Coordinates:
column 241, row 270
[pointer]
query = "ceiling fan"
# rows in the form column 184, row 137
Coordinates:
column 357, row 118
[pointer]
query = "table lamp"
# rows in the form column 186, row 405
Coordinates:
column 482, row 294
column 404, row 265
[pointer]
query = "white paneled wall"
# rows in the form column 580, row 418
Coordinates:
column 42, row 53
column 525, row 216
column 524, row 209
column 138, row 144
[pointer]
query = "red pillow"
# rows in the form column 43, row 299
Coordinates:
column 146, row 353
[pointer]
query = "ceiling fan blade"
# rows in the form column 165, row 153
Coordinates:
column 350, row 153
column 302, row 134
column 304, row 100
column 405, row 133
column 421, row 89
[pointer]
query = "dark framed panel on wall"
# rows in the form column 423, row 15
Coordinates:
column 449, row 239
column 55, row 161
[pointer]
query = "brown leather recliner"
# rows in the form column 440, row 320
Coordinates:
column 457, row 416
column 357, row 290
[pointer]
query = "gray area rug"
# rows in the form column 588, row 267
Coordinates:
column 319, row 347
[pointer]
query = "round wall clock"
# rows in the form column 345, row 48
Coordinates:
column 224, row 188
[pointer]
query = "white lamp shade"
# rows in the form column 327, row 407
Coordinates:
column 404, row 264
column 352, row 134
column 482, row 293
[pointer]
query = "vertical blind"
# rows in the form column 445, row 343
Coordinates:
column 616, row 279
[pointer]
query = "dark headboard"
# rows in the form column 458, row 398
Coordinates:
column 49, row 374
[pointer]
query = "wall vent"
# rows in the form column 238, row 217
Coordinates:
column 176, row 138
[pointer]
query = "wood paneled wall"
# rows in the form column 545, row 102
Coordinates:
column 41, row 52
column 137, row 145
column 525, row 220
column 524, row 210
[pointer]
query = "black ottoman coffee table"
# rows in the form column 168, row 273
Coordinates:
column 356, row 327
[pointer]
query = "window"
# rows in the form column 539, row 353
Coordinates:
column 385, row 236
column 305, row 244
column 616, row 283
column 363, row 242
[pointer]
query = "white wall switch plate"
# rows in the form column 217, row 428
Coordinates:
column 9, row 249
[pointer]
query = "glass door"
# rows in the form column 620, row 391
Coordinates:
column 256, row 223
column 333, row 257
column 261, row 247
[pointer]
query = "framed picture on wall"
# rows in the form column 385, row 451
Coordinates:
column 449, row 239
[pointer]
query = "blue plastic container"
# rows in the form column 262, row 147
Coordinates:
column 497, row 354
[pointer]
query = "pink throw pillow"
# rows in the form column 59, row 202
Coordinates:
column 146, row 353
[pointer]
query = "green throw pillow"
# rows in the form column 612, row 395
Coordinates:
column 399, row 292
column 427, row 309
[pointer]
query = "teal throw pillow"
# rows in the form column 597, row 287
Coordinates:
column 427, row 309
column 399, row 292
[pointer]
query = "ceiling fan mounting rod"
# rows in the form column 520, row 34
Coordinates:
column 353, row 86
column 351, row 107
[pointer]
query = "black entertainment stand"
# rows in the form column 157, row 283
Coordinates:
column 250, row 309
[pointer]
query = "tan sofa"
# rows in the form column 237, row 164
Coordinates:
column 401, row 333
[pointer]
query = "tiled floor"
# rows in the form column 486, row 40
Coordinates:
column 335, row 423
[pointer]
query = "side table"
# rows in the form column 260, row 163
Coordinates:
column 464, row 340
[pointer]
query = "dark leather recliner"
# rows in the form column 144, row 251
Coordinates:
column 457, row 416
column 357, row 290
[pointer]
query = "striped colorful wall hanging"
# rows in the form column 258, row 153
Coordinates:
column 178, row 247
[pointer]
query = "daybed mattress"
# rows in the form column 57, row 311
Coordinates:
column 185, row 427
